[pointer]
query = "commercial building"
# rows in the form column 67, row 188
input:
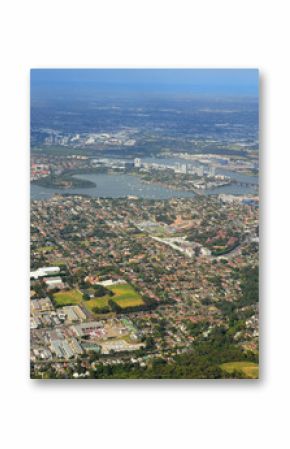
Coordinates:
column 55, row 282
column 44, row 271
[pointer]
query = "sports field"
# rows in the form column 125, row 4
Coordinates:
column 125, row 296
column 250, row 369
column 68, row 297
column 100, row 303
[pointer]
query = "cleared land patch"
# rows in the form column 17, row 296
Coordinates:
column 250, row 369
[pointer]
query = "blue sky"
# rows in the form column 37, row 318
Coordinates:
column 199, row 81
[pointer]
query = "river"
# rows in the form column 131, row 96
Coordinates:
column 122, row 185
column 113, row 186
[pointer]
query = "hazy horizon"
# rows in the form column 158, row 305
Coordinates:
column 226, row 82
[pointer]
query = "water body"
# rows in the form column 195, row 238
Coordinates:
column 117, row 186
column 113, row 186
column 122, row 185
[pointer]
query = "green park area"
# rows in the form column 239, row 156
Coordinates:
column 70, row 297
column 250, row 369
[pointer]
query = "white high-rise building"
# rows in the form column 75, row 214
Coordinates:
column 211, row 172
column 183, row 168
column 199, row 171
column 137, row 163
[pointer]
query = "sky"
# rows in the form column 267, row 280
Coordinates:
column 195, row 81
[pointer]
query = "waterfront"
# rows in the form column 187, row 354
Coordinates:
column 240, row 177
column 122, row 185
column 113, row 186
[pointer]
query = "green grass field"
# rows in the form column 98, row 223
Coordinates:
column 125, row 296
column 250, row 369
column 68, row 297
column 100, row 303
